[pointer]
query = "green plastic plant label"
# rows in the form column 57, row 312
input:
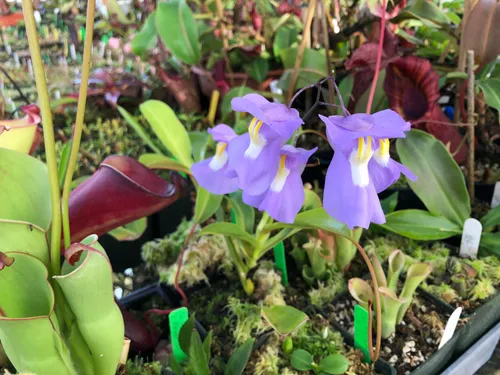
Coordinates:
column 361, row 332
column 471, row 236
column 176, row 320
column 280, row 261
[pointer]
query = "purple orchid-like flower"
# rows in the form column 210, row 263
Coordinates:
column 361, row 166
column 255, row 156
column 283, row 198
column 214, row 174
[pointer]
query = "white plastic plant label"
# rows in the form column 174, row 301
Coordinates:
column 451, row 325
column 470, row 238
column 495, row 200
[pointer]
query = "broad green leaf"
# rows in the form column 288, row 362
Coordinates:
column 257, row 69
column 441, row 183
column 225, row 106
column 207, row 345
column 25, row 192
column 131, row 231
column 145, row 39
column 426, row 11
column 63, row 163
column 178, row 30
column 284, row 319
column 244, row 214
column 314, row 219
column 345, row 88
column 491, row 90
column 409, row 37
column 302, row 360
column 28, row 326
column 169, row 129
column 206, row 205
column 88, row 290
column 389, row 204
column 285, row 37
column 334, row 364
column 491, row 219
column 239, row 358
column 199, row 143
column 197, row 357
column 176, row 367
column 312, row 69
column 24, row 237
column 185, row 334
column 138, row 129
column 421, row 225
column 380, row 101
column 158, row 161
column 230, row 230
column 490, row 244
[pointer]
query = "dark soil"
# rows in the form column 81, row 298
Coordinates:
column 415, row 340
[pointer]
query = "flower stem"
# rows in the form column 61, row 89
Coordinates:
column 379, row 58
column 48, row 135
column 77, row 136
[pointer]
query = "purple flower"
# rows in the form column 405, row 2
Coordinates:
column 214, row 174
column 361, row 166
column 255, row 155
column 284, row 197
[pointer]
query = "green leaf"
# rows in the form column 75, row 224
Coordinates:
column 28, row 329
column 114, row 8
column 239, row 358
column 158, row 161
column 257, row 69
column 491, row 219
column 24, row 237
column 146, row 38
column 197, row 357
column 175, row 366
column 207, row 345
column 178, row 30
column 285, row 37
column 25, row 192
column 169, row 129
column 206, row 205
column 88, row 290
column 284, row 319
column 490, row 244
column 379, row 98
column 334, row 364
column 225, row 107
column 302, row 360
column 421, row 225
column 441, row 183
column 199, row 143
column 455, row 75
column 63, row 101
column 491, row 90
column 230, row 230
column 312, row 69
column 185, row 334
column 429, row 13
column 131, row 231
column 138, row 129
column 345, row 88
column 314, row 219
column 312, row 200
column 244, row 215
column 63, row 163
column 389, row 203
column 409, row 37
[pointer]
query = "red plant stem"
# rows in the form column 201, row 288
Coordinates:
column 379, row 58
column 179, row 265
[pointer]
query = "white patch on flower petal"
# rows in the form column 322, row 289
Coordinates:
column 220, row 158
column 381, row 154
column 257, row 141
column 359, row 159
column 279, row 180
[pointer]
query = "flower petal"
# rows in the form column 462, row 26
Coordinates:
column 222, row 133
column 250, row 103
column 353, row 205
column 383, row 177
column 217, row 182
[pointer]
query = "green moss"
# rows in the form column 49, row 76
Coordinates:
column 443, row 290
column 318, row 339
column 248, row 322
column 327, row 291
column 138, row 367
column 269, row 360
column 483, row 290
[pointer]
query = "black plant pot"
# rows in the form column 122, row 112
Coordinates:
column 126, row 254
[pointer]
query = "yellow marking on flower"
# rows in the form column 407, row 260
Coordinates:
column 359, row 159
column 257, row 141
column 384, row 146
column 364, row 150
column 361, row 146
column 220, row 158
column 381, row 154
column 281, row 176
column 254, row 128
column 221, row 147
